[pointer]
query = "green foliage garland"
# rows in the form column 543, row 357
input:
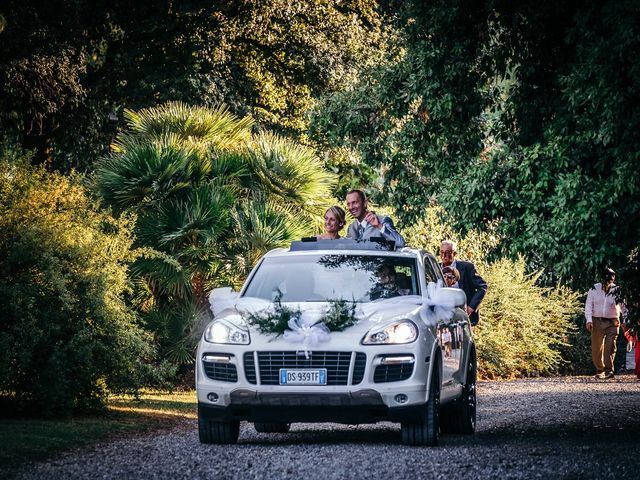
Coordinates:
column 276, row 321
column 340, row 316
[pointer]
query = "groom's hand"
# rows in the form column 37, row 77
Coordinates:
column 372, row 219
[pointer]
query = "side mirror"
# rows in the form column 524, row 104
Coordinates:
column 450, row 296
column 222, row 298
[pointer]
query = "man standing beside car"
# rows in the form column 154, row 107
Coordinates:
column 367, row 224
column 473, row 285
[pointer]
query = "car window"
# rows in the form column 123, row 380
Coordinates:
column 361, row 278
column 431, row 269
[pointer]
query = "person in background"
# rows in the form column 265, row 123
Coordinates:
column 334, row 220
column 620, row 360
column 473, row 285
column 632, row 342
column 446, row 342
column 451, row 276
column 637, row 356
column 602, row 312
column 367, row 224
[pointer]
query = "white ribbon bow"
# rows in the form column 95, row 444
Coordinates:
column 310, row 336
column 435, row 308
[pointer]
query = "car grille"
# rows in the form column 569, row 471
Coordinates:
column 223, row 372
column 250, row 368
column 392, row 373
column 336, row 363
column 358, row 368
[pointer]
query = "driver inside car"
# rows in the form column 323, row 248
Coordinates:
column 387, row 286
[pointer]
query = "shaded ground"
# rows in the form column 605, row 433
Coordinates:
column 571, row 427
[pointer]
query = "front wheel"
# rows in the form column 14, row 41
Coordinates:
column 210, row 431
column 427, row 432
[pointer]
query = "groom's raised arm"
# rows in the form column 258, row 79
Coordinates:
column 389, row 232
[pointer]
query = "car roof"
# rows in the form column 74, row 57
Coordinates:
column 332, row 247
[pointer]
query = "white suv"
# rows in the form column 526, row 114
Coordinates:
column 399, row 350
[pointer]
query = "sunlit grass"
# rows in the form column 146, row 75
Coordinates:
column 179, row 404
column 23, row 440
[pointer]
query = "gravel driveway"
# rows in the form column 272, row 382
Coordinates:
column 572, row 427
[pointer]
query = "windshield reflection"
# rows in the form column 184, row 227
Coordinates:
column 320, row 278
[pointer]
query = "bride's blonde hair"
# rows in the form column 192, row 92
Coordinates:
column 338, row 213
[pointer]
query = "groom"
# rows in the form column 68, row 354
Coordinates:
column 367, row 224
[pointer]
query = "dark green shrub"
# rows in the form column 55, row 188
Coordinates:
column 66, row 336
column 524, row 329
column 577, row 354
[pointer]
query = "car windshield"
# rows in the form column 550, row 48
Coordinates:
column 319, row 278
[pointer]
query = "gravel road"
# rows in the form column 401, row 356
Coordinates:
column 569, row 428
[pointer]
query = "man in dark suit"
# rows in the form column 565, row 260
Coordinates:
column 367, row 224
column 470, row 281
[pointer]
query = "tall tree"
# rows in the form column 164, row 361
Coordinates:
column 210, row 198
column 519, row 112
column 66, row 65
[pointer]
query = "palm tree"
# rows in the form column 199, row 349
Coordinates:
column 209, row 197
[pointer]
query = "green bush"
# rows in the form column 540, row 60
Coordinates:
column 524, row 329
column 66, row 336
column 577, row 354
column 522, row 326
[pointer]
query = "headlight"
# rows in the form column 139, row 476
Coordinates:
column 222, row 331
column 403, row 331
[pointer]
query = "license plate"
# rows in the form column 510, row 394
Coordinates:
column 317, row 376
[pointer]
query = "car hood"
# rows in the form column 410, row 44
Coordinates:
column 368, row 315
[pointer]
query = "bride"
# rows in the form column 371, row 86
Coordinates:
column 334, row 220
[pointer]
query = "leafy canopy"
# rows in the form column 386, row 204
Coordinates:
column 520, row 113
column 64, row 66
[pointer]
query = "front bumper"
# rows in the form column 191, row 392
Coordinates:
column 364, row 395
column 360, row 406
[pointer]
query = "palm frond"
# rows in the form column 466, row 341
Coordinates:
column 212, row 126
column 185, row 322
column 164, row 274
column 197, row 220
column 263, row 225
column 232, row 167
column 291, row 171
column 146, row 173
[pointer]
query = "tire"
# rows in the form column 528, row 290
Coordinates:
column 460, row 416
column 211, row 431
column 427, row 432
column 272, row 427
